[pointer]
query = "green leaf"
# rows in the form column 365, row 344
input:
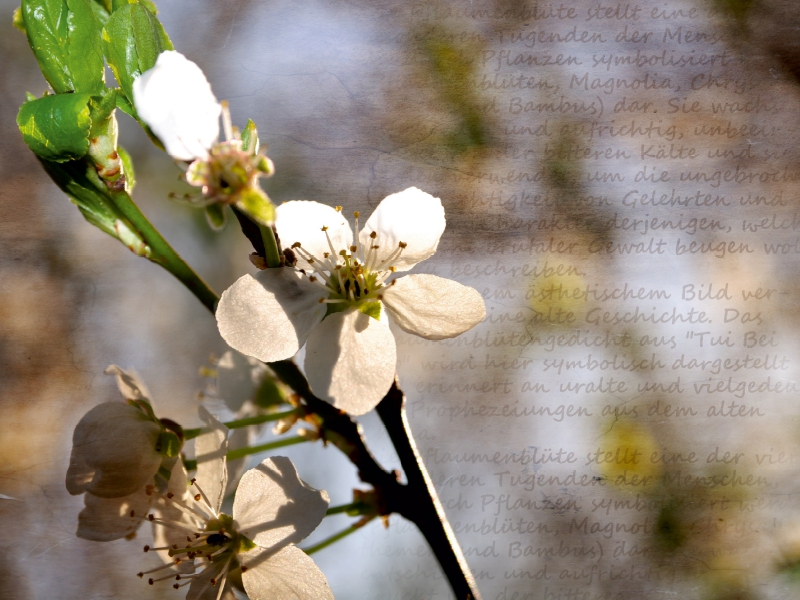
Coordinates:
column 65, row 38
column 117, row 4
column 102, row 10
column 56, row 127
column 250, row 136
column 371, row 309
column 216, row 215
column 255, row 204
column 127, row 168
column 132, row 40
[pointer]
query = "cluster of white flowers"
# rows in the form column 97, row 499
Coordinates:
column 334, row 296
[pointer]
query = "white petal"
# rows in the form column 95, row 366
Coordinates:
column 175, row 99
column 113, row 451
column 289, row 575
column 130, row 384
column 269, row 315
column 351, row 360
column 273, row 507
column 302, row 221
column 411, row 216
column 238, row 438
column 210, row 449
column 106, row 519
column 238, row 377
column 433, row 307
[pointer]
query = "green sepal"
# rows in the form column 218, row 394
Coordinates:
column 216, row 215
column 268, row 394
column 168, row 444
column 255, row 204
column 56, row 127
column 17, row 20
column 132, row 40
column 90, row 194
column 127, row 167
column 371, row 309
column 162, row 478
column 245, row 544
column 250, row 138
column 65, row 38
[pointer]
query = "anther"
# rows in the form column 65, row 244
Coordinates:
column 244, row 568
column 373, row 235
column 133, row 513
column 356, row 214
column 170, row 495
column 147, row 548
column 322, row 300
column 353, row 248
column 151, row 517
column 140, row 575
column 402, row 244
column 324, row 228
column 176, row 586
column 296, row 245
column 151, row 581
column 197, row 497
column 337, row 208
column 312, row 278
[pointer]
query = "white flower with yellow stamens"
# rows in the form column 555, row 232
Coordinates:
column 332, row 302
column 272, row 511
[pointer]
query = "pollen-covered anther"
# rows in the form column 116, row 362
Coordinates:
column 402, row 245
column 373, row 235
column 356, row 214
column 324, row 228
column 337, row 208
column 197, row 497
column 353, row 248
column 296, row 245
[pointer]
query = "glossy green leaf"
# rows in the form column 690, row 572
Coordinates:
column 117, row 4
column 132, row 40
column 65, row 38
column 255, row 204
column 250, row 137
column 56, row 127
column 216, row 215
column 102, row 10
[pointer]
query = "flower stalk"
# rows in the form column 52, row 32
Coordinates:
column 189, row 434
column 191, row 464
column 338, row 536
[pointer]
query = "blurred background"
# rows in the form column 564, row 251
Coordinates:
column 358, row 100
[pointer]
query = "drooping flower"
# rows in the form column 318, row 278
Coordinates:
column 119, row 450
column 333, row 301
column 272, row 511
column 175, row 100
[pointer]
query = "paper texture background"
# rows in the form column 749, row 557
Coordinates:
column 620, row 183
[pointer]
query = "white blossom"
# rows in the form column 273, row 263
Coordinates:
column 333, row 301
column 272, row 511
column 120, row 453
column 175, row 99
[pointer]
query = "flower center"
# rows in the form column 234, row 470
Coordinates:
column 204, row 542
column 351, row 276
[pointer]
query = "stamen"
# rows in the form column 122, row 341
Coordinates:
column 205, row 498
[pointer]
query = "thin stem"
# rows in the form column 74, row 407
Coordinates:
column 336, row 537
column 189, row 434
column 420, row 503
column 246, row 451
column 241, row 452
column 343, row 508
column 164, row 254
column 271, row 252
